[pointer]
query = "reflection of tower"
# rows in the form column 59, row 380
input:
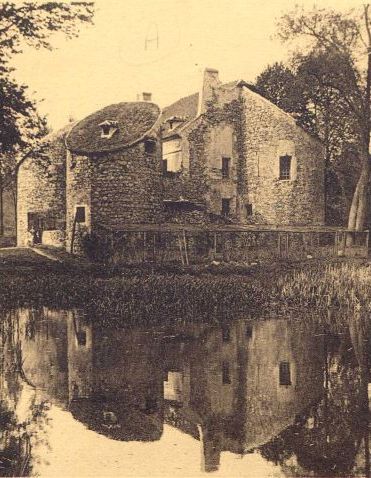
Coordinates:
column 115, row 381
column 43, row 337
column 151, row 41
column 80, row 355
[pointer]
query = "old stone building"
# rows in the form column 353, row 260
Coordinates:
column 235, row 387
column 106, row 173
column 231, row 152
column 222, row 155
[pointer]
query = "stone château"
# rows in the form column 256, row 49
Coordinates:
column 224, row 154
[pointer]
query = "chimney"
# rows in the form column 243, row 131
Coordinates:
column 209, row 83
column 147, row 96
column 210, row 441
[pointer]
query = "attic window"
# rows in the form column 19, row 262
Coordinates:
column 174, row 121
column 150, row 146
column 108, row 128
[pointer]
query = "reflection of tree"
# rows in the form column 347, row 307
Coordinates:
column 360, row 332
column 326, row 439
column 18, row 436
column 282, row 447
column 15, row 446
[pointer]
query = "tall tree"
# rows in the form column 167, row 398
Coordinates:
column 345, row 38
column 284, row 87
column 32, row 24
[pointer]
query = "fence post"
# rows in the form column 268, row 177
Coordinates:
column 180, row 249
column 185, row 248
column 144, row 246
column 367, row 241
column 343, row 242
column 154, row 247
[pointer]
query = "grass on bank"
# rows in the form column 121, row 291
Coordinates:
column 178, row 294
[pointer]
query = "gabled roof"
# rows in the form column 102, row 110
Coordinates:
column 134, row 121
column 185, row 107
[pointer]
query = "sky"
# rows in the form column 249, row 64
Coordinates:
column 156, row 46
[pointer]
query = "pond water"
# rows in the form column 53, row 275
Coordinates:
column 277, row 397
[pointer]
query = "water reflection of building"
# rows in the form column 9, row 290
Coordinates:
column 331, row 438
column 80, row 356
column 123, row 384
column 42, row 339
column 300, row 399
column 238, row 386
column 109, row 379
column 232, row 387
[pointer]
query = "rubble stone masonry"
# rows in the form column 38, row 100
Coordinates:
column 128, row 185
column 271, row 133
column 117, row 188
column 41, row 189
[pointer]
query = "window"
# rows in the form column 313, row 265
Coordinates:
column 226, row 334
column 150, row 147
column 285, row 167
column 108, row 128
column 81, row 337
column 225, row 373
column 80, row 214
column 226, row 162
column 285, row 375
column 248, row 331
column 248, row 209
column 172, row 154
column 105, row 129
column 164, row 167
column 226, row 206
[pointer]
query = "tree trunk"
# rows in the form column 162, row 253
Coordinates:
column 1, row 208
column 358, row 209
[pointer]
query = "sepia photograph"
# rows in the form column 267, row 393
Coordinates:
column 185, row 257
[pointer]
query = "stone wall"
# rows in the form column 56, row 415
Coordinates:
column 270, row 133
column 204, row 143
column 116, row 188
column 79, row 177
column 253, row 133
column 41, row 189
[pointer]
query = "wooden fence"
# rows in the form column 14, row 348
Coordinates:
column 192, row 245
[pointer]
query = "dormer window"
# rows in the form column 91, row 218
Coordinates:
column 175, row 121
column 108, row 128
